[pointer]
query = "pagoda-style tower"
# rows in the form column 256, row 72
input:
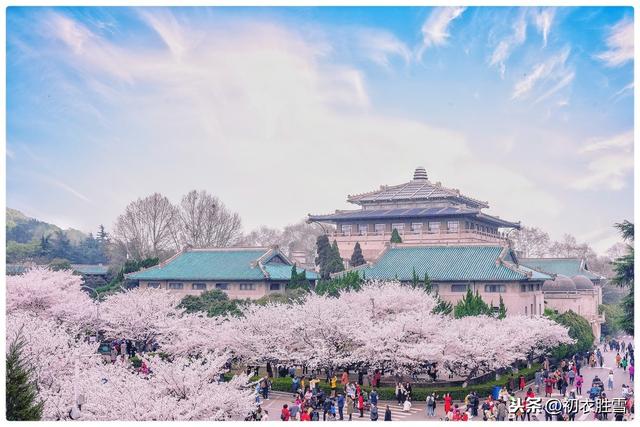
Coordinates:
column 423, row 213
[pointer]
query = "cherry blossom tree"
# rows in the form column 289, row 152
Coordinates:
column 142, row 315
column 54, row 295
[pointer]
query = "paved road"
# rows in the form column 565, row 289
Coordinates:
column 418, row 412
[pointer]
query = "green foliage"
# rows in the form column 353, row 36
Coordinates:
column 298, row 280
column 135, row 361
column 395, row 236
column 57, row 264
column 21, row 391
column 335, row 264
column 357, row 258
column 130, row 266
column 31, row 240
column 624, row 275
column 579, row 329
column 350, row 281
column 324, row 251
column 613, row 316
column 214, row 302
column 471, row 305
column 502, row 310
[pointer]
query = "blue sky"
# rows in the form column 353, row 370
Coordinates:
column 282, row 112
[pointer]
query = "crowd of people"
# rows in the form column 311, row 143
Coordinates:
column 517, row 400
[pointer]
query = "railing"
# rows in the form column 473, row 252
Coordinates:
column 428, row 235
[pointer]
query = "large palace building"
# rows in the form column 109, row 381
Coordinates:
column 423, row 212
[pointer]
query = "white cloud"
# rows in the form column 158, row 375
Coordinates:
column 381, row 46
column 619, row 43
column 547, row 77
column 610, row 161
column 435, row 30
column 543, row 19
column 506, row 46
column 620, row 141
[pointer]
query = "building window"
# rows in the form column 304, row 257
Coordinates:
column 346, row 229
column 525, row 310
column 417, row 227
column 435, row 287
column 397, row 226
column 434, row 226
column 539, row 308
column 175, row 285
column 538, row 286
column 222, row 286
column 379, row 228
column 247, row 286
column 153, row 285
column 274, row 286
column 452, row 226
column 363, row 229
column 523, row 288
column 458, row 288
column 198, row 286
column 532, row 311
column 495, row 288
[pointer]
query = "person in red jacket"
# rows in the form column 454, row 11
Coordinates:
column 522, row 382
column 527, row 413
column 361, row 405
column 285, row 415
column 447, row 403
column 306, row 415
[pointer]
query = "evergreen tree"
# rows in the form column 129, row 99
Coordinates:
column 45, row 246
column 623, row 268
column 298, row 280
column 21, row 392
column 357, row 258
column 415, row 281
column 428, row 286
column 471, row 305
column 395, row 236
column 502, row 310
column 323, row 249
column 102, row 235
column 61, row 245
column 335, row 263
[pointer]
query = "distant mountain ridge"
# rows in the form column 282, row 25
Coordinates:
column 24, row 229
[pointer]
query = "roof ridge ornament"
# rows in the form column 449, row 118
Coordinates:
column 420, row 174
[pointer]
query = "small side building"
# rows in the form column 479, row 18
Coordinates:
column 240, row 272
column 574, row 288
column 493, row 271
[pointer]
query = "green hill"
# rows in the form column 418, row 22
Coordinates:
column 24, row 240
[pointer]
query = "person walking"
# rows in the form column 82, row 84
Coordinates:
column 538, row 380
column 579, row 381
column 285, row 415
column 373, row 412
column 447, row 403
column 373, row 397
column 334, row 385
column 522, row 382
column 350, row 404
column 618, row 359
column 341, row 406
column 387, row 414
column 361, row 405
column 632, row 370
column 610, row 381
column 431, row 405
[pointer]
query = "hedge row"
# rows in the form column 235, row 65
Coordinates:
column 420, row 393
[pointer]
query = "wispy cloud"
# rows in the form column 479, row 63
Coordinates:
column 610, row 162
column 619, row 43
column 66, row 187
column 435, row 30
column 506, row 46
column 626, row 90
column 543, row 19
column 547, row 77
column 381, row 46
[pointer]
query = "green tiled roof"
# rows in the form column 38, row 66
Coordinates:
column 283, row 272
column 91, row 269
column 218, row 264
column 445, row 263
column 566, row 266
